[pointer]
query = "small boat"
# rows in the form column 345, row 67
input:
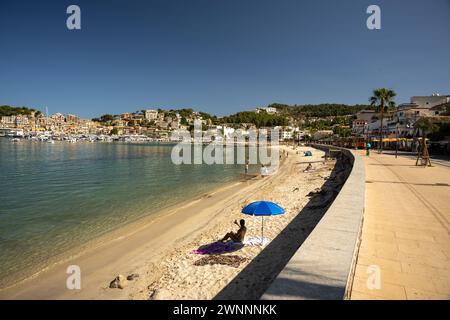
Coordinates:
column 14, row 140
column 51, row 141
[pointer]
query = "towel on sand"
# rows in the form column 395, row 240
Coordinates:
column 218, row 247
column 232, row 261
column 256, row 241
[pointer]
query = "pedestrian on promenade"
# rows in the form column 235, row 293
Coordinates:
column 368, row 146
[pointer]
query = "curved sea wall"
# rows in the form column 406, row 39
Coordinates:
column 323, row 267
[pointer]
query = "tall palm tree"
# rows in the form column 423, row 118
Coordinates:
column 382, row 98
column 425, row 126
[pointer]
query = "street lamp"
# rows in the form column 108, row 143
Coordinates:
column 396, row 140
column 367, row 132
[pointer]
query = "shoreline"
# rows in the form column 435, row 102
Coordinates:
column 21, row 288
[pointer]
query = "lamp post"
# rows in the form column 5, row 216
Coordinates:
column 366, row 127
column 396, row 139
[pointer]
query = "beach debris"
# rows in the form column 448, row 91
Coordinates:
column 232, row 261
column 295, row 189
column 160, row 294
column 317, row 192
column 328, row 196
column 132, row 276
column 119, row 282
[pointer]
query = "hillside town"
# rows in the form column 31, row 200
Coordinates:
column 144, row 125
column 395, row 124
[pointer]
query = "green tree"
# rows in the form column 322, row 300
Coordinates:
column 261, row 119
column 319, row 110
column 443, row 130
column 14, row 111
column 383, row 99
column 114, row 131
column 106, row 118
column 183, row 121
column 342, row 131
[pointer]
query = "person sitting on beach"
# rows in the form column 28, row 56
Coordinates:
column 236, row 236
column 308, row 168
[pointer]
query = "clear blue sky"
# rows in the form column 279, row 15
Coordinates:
column 218, row 56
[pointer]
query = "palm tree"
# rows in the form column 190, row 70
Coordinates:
column 425, row 126
column 382, row 98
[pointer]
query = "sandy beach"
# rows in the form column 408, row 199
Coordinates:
column 159, row 251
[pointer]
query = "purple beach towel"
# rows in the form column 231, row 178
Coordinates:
column 218, row 247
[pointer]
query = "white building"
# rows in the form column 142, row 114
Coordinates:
column 362, row 120
column 151, row 115
column 359, row 126
column 269, row 110
column 8, row 120
column 429, row 101
column 59, row 117
column 286, row 135
column 439, row 110
column 366, row 115
column 402, row 121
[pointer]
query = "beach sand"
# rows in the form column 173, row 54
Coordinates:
column 183, row 279
column 159, row 251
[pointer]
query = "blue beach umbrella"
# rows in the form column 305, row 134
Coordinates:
column 263, row 208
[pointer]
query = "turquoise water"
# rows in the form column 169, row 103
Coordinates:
column 55, row 197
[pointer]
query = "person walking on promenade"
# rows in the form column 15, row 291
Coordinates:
column 368, row 146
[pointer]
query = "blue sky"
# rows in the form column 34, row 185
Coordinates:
column 218, row 56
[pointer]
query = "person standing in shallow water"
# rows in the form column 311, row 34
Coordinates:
column 236, row 236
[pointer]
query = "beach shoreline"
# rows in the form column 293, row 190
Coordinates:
column 141, row 246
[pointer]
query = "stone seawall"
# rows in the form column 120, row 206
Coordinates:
column 323, row 267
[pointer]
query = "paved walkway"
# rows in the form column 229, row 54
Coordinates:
column 405, row 232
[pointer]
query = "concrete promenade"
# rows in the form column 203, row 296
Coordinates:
column 322, row 266
column 405, row 234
